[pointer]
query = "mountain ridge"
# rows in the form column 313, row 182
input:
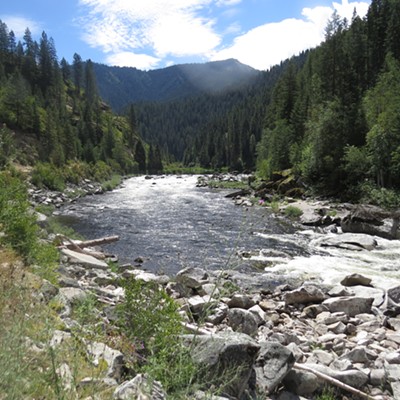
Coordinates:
column 121, row 86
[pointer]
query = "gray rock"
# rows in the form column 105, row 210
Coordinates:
column 192, row 277
column 259, row 314
column 273, row 363
column 339, row 290
column 350, row 241
column 242, row 321
column 304, row 295
column 58, row 338
column 218, row 314
column 355, row 280
column 228, row 359
column 301, row 382
column 393, row 358
column 349, row 305
column 392, row 372
column 71, row 295
column 114, row 358
column 140, row 388
column 394, row 294
column 321, row 357
column 396, row 390
column 241, row 301
column 48, row 290
column 84, row 259
column 66, row 377
column 356, row 355
column 377, row 377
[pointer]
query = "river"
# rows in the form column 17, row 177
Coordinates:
column 170, row 224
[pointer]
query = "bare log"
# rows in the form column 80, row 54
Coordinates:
column 97, row 242
column 75, row 247
column 334, row 381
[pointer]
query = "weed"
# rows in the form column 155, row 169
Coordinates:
column 293, row 212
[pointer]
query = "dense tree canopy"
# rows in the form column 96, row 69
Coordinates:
column 59, row 107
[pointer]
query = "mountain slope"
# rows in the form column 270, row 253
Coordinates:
column 120, row 86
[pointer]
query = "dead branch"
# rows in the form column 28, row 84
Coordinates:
column 333, row 381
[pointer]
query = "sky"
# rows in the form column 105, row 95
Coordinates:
column 152, row 34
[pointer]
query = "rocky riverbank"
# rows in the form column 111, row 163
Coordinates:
column 289, row 341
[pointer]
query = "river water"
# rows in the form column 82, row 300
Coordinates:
column 170, row 224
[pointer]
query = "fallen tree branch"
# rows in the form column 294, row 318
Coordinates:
column 98, row 242
column 71, row 245
column 333, row 381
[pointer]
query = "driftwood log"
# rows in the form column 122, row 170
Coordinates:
column 81, row 246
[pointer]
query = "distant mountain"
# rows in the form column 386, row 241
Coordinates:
column 120, row 86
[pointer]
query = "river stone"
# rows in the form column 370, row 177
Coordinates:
column 140, row 387
column 241, row 301
column 394, row 294
column 350, row 241
column 304, row 295
column 217, row 315
column 356, row 279
column 192, row 277
column 273, row 363
column 349, row 305
column 84, row 259
column 356, row 355
column 228, row 359
column 301, row 382
column 71, row 295
column 115, row 360
column 242, row 321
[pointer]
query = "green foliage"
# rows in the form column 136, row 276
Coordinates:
column 150, row 319
column 293, row 212
column 382, row 197
column 47, row 175
column 112, row 183
column 7, row 146
column 18, row 224
column 20, row 228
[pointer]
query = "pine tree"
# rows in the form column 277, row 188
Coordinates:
column 140, row 156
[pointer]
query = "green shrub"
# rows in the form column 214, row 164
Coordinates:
column 150, row 319
column 46, row 175
column 293, row 212
column 382, row 197
column 17, row 223
column 111, row 183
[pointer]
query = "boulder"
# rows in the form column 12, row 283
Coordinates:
column 355, row 280
column 301, row 382
column 227, row 359
column 373, row 221
column 84, row 259
column 273, row 363
column 349, row 305
column 192, row 277
column 350, row 241
column 304, row 295
column 242, row 321
column 241, row 301
column 114, row 359
column 140, row 387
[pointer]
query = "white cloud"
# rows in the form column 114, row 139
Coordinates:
column 269, row 44
column 129, row 59
column 19, row 24
column 169, row 27
column 224, row 3
column 163, row 29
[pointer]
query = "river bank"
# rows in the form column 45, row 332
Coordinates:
column 282, row 336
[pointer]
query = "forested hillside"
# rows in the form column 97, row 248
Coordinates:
column 336, row 120
column 51, row 112
column 121, row 86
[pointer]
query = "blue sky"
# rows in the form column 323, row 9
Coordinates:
column 150, row 34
